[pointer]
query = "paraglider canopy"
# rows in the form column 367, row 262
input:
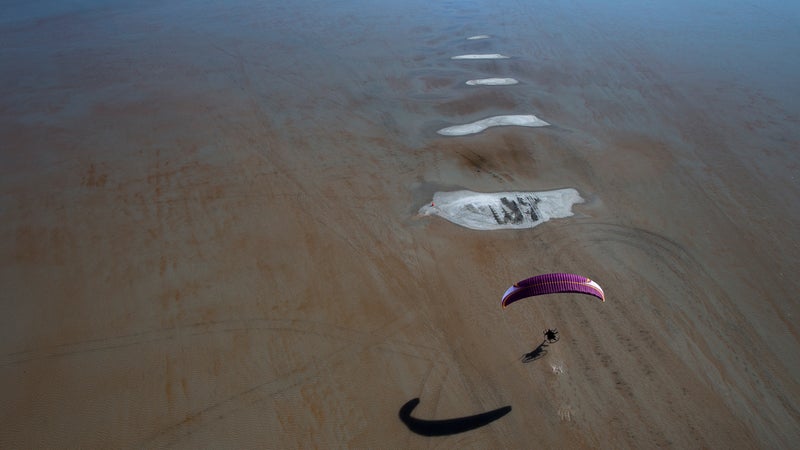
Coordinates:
column 552, row 283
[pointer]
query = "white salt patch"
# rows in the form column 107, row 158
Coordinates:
column 479, row 36
column 502, row 210
column 481, row 56
column 496, row 121
column 492, row 82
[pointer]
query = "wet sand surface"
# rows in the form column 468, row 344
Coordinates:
column 209, row 232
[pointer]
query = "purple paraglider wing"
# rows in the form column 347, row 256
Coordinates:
column 552, row 283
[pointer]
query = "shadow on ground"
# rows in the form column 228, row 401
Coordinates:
column 447, row 426
column 535, row 354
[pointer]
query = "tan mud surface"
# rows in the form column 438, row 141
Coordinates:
column 208, row 233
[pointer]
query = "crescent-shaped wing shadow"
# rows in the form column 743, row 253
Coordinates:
column 447, row 426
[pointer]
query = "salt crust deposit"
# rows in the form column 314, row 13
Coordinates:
column 528, row 120
column 479, row 36
column 481, row 56
column 492, row 82
column 502, row 210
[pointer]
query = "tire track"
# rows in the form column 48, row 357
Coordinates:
column 202, row 418
column 691, row 309
column 320, row 329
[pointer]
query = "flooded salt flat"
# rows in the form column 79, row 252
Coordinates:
column 210, row 234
